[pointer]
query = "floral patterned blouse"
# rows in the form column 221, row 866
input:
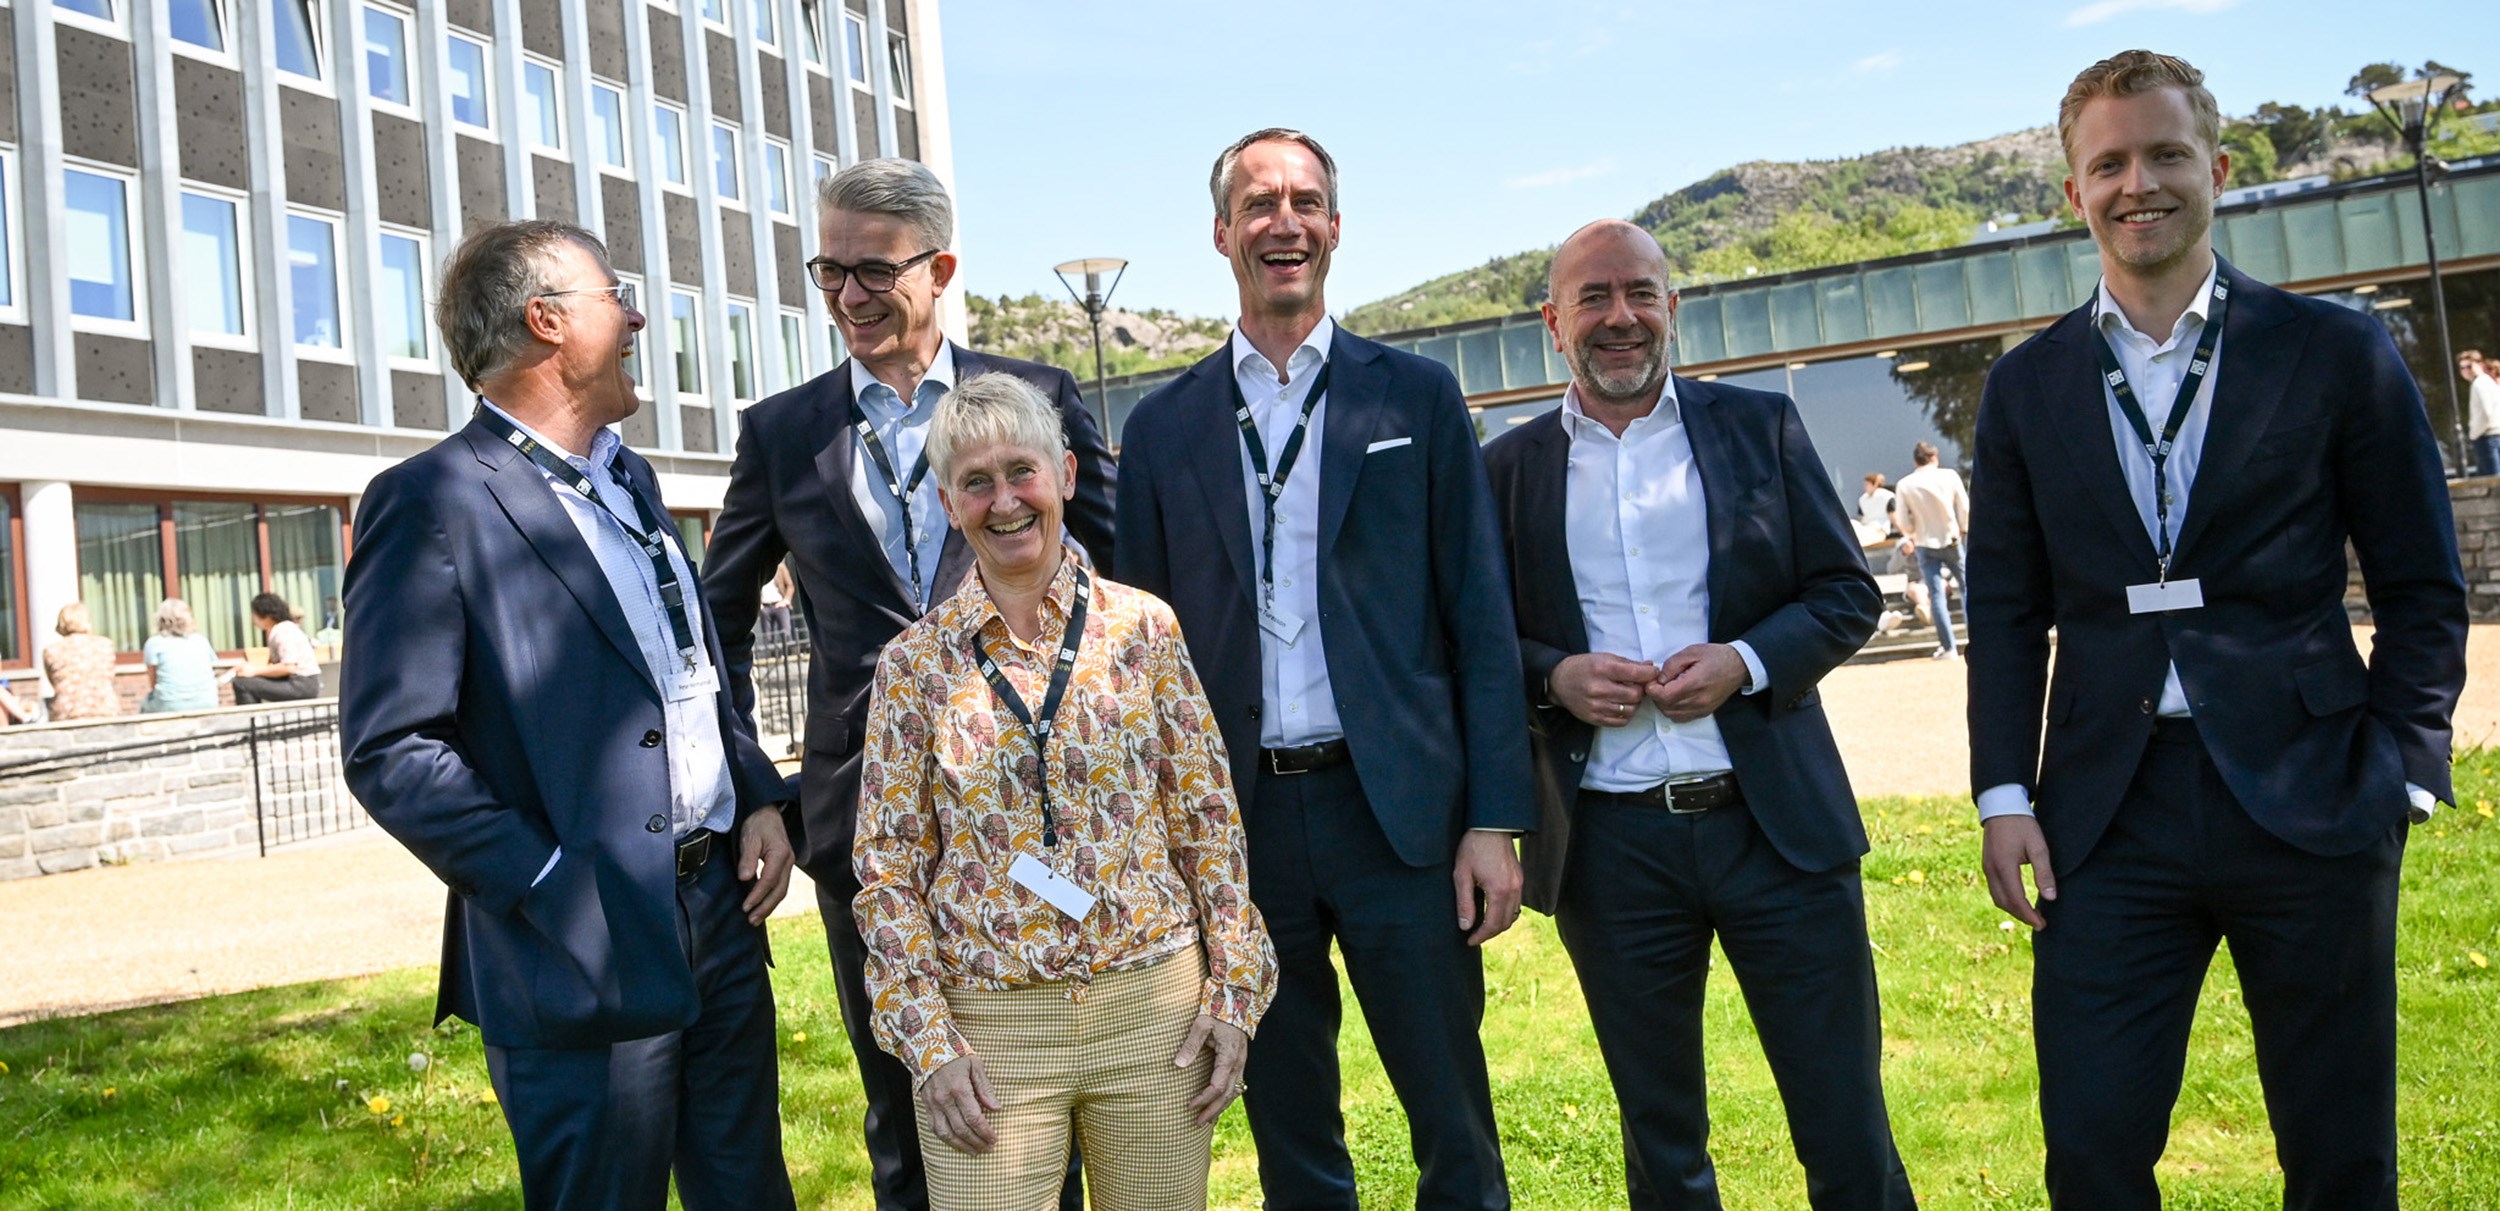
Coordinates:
column 1139, row 786
column 81, row 669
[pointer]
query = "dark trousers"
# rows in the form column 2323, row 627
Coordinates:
column 602, row 1128
column 2115, row 978
column 896, row 1175
column 294, row 687
column 1645, row 892
column 1320, row 869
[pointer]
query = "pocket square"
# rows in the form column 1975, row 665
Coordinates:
column 1390, row 444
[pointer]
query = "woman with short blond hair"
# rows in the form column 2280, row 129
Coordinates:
column 182, row 664
column 79, row 665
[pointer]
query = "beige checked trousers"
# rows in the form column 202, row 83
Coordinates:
column 1101, row 1068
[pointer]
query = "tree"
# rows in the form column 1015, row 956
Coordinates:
column 2298, row 133
column 2252, row 154
column 2373, row 77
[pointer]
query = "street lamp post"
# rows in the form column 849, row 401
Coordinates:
column 2413, row 107
column 1095, row 299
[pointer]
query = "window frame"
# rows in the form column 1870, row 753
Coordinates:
column 733, row 307
column 13, row 231
column 812, row 35
column 248, row 340
column 486, row 76
column 407, row 53
column 898, row 65
column 826, row 166
column 345, row 352
column 777, row 153
column 15, row 498
column 117, row 25
column 684, row 161
column 134, row 250
column 865, row 80
column 720, row 23
column 765, row 20
column 317, row 27
column 220, row 11
column 624, row 130
column 169, row 549
column 698, row 396
column 737, row 174
column 428, row 362
column 561, row 149
column 794, row 345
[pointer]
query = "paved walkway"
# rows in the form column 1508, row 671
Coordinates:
column 102, row 939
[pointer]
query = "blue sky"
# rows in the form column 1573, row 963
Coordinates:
column 1465, row 129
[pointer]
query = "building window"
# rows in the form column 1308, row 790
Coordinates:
column 607, row 128
column 793, row 347
column 767, row 23
column 400, row 308
column 716, row 14
column 102, row 285
column 386, row 57
column 812, row 31
column 212, row 265
column 101, row 10
column 725, row 171
column 825, row 167
column 312, row 257
column 222, row 553
column 685, row 341
column 742, row 366
column 855, row 47
column 898, row 59
column 542, row 92
column 304, row 564
column 668, row 132
column 777, row 177
column 12, row 568
column 298, row 35
column 121, row 568
column 200, row 23
column 472, row 93
column 8, row 232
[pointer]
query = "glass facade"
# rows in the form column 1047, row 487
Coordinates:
column 399, row 305
column 467, row 84
column 198, row 22
column 101, row 285
column 224, row 553
column 386, row 56
column 291, row 23
column 312, row 263
column 217, row 549
column 121, row 569
column 212, row 264
column 9, row 648
column 304, row 563
column 542, row 106
column 607, row 127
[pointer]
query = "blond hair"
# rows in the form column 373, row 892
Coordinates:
column 73, row 620
column 993, row 408
column 2128, row 73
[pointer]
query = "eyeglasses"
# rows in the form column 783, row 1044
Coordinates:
column 875, row 277
column 626, row 296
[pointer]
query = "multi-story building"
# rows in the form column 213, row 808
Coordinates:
column 224, row 219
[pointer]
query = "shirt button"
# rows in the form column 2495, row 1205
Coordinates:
column 651, row 739
column 655, row 824
column 1636, row 550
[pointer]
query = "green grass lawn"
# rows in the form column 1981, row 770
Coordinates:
column 312, row 1096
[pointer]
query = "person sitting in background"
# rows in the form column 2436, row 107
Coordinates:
column 292, row 672
column 12, row 711
column 182, row 672
column 79, row 665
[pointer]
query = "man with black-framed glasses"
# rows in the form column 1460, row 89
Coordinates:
column 829, row 475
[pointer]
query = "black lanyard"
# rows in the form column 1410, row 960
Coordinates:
column 1072, row 638
column 901, row 487
column 2158, row 448
column 648, row 535
column 1272, row 486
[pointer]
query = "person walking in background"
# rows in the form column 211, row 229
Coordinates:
column 1685, row 576
column 182, row 664
column 79, row 664
column 1314, row 507
column 293, row 671
column 2167, row 478
column 831, row 475
column 1934, row 512
column 1061, row 938
column 2482, row 383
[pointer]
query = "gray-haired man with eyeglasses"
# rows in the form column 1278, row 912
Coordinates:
column 829, row 476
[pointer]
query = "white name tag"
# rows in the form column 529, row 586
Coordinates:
column 703, row 680
column 1285, row 627
column 2162, row 597
column 1067, row 897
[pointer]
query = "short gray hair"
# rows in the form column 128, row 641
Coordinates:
column 173, row 618
column 998, row 408
column 1220, row 181
column 905, row 189
column 487, row 285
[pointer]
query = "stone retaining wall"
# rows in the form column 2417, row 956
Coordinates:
column 136, row 807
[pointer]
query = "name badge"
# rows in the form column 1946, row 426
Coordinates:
column 2162, row 597
column 1067, row 897
column 1285, row 627
column 703, row 680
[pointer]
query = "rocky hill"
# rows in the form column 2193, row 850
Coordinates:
column 1056, row 332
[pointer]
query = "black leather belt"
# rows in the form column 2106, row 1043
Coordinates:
column 694, row 851
column 1684, row 798
column 1304, row 758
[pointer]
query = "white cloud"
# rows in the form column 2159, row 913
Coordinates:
column 2102, row 10
column 1560, row 176
column 1880, row 61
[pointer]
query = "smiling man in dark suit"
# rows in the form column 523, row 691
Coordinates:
column 829, row 475
column 2168, row 477
column 1313, row 506
column 1685, row 577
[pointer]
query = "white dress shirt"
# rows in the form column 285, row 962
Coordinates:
column 905, row 434
column 1296, row 703
column 1638, row 532
column 700, row 792
column 1933, row 506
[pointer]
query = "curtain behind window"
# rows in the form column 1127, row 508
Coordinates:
column 217, row 547
column 121, row 571
column 304, row 565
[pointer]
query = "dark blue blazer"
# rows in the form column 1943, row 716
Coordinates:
column 2317, row 437
column 497, row 706
column 790, row 495
column 1786, row 576
column 1414, row 600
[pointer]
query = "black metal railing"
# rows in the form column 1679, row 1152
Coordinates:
column 779, row 673
column 290, row 753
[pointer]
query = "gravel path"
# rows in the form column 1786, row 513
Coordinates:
column 103, row 939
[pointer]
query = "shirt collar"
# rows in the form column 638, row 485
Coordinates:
column 1247, row 358
column 1576, row 420
column 974, row 608
column 604, row 442
column 2111, row 318
column 941, row 372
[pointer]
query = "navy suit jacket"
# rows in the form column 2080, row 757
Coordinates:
column 1786, row 576
column 1415, row 614
column 498, row 707
column 790, row 495
column 2317, row 437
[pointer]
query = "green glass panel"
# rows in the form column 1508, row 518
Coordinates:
column 1747, row 316
column 2041, row 275
column 1794, row 324
column 2257, row 245
column 1480, row 361
column 8, row 581
column 1844, row 311
column 1523, row 354
column 304, row 565
column 2313, row 242
column 2370, row 232
column 1442, row 349
column 121, row 570
column 2478, row 217
column 1992, row 294
column 1943, row 297
column 217, row 548
column 1699, row 336
column 1891, row 302
column 2083, row 269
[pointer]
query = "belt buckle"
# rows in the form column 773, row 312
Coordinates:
column 1667, row 791
column 694, row 852
column 1275, row 764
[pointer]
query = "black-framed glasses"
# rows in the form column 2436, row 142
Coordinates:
column 626, row 296
column 875, row 277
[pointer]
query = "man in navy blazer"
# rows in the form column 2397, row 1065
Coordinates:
column 2168, row 477
column 535, row 710
column 1356, row 644
column 805, row 487
column 1685, row 577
